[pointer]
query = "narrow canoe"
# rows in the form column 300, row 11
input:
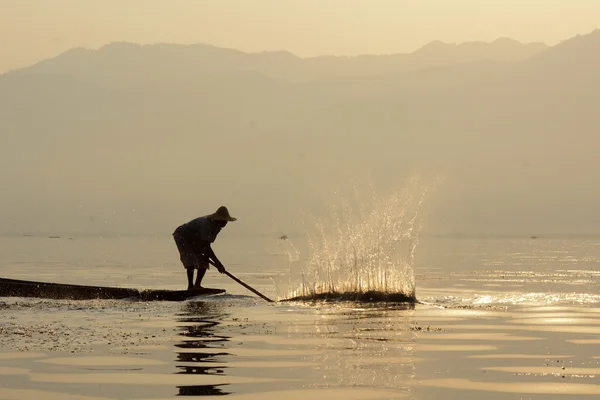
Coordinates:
column 47, row 290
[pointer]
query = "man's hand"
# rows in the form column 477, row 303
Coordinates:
column 220, row 268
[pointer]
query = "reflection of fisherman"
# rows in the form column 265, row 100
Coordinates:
column 193, row 241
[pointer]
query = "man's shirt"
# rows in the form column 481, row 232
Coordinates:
column 201, row 228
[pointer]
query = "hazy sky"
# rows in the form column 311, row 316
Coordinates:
column 31, row 30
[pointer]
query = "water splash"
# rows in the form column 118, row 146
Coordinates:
column 365, row 245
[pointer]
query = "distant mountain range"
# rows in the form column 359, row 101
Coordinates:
column 119, row 59
column 129, row 126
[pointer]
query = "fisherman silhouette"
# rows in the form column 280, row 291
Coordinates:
column 194, row 239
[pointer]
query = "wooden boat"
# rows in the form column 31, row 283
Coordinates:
column 47, row 290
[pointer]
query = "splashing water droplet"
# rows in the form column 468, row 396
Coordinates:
column 362, row 246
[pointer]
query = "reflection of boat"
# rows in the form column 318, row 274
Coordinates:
column 19, row 288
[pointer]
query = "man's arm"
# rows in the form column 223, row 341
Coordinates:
column 212, row 256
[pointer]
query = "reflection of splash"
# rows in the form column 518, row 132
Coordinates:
column 370, row 346
column 364, row 245
column 205, row 318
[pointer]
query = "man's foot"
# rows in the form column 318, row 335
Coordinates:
column 190, row 288
column 198, row 287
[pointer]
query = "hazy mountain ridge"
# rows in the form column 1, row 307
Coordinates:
column 93, row 133
column 133, row 62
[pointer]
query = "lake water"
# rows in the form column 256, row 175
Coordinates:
column 501, row 318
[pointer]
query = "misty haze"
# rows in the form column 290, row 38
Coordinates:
column 131, row 139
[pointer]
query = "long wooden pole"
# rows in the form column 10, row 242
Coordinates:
column 250, row 288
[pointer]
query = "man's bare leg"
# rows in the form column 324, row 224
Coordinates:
column 190, row 278
column 201, row 272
